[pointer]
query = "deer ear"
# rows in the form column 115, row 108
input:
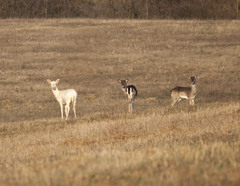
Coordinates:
column 57, row 81
column 195, row 77
column 49, row 81
column 126, row 80
column 119, row 81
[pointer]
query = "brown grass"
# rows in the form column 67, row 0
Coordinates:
column 183, row 145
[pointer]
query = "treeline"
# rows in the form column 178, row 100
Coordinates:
column 131, row 9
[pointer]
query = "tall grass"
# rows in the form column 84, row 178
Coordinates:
column 200, row 147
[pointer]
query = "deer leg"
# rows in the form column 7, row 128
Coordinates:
column 61, row 107
column 67, row 110
column 191, row 101
column 130, row 106
column 174, row 101
column 74, row 108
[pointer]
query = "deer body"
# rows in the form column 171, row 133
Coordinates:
column 188, row 93
column 64, row 97
column 130, row 91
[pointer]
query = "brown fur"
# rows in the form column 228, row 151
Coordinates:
column 189, row 93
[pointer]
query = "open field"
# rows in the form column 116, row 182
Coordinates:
column 156, row 145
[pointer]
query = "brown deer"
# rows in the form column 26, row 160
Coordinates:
column 189, row 93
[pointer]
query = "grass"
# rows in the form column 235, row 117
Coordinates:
column 184, row 145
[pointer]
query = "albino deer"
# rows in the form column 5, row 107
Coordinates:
column 130, row 92
column 64, row 97
column 189, row 93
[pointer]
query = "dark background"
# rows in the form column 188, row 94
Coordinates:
column 121, row 9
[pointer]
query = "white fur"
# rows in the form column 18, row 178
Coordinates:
column 183, row 97
column 64, row 97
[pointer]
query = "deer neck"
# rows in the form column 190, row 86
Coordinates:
column 56, row 93
column 193, row 88
column 124, row 89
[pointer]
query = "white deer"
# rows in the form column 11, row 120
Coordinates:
column 64, row 97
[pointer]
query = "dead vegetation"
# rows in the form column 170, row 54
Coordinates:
column 156, row 144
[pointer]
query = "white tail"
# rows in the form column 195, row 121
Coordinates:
column 130, row 92
column 64, row 97
column 189, row 93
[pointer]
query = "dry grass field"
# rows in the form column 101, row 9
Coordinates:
column 156, row 145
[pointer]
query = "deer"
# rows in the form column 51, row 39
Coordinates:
column 188, row 93
column 64, row 97
column 130, row 92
